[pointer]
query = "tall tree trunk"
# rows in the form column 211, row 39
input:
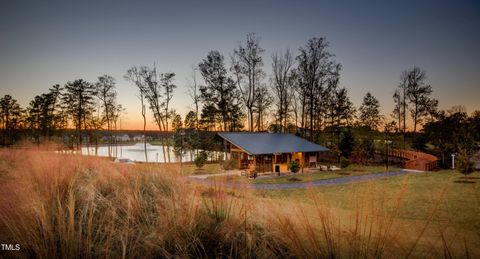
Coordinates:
column 311, row 114
column 303, row 121
column 415, row 119
column 108, row 130
column 144, row 130
column 404, row 114
column 250, row 114
column 79, row 132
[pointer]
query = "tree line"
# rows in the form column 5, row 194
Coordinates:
column 87, row 107
column 302, row 95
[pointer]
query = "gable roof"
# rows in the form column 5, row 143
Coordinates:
column 259, row 143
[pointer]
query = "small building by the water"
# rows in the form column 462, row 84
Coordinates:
column 269, row 152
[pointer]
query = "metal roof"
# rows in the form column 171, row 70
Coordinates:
column 259, row 143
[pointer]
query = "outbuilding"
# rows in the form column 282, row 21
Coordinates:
column 269, row 152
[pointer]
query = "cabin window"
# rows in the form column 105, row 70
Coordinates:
column 282, row 159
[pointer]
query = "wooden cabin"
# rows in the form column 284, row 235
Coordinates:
column 269, row 152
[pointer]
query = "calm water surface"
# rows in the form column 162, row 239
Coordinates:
column 160, row 154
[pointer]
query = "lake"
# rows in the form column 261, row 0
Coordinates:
column 155, row 153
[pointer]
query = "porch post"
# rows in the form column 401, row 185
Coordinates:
column 303, row 161
column 272, row 163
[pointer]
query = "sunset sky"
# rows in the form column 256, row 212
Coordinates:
column 43, row 43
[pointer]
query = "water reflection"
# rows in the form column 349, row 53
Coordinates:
column 155, row 153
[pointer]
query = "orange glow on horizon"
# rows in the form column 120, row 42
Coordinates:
column 137, row 125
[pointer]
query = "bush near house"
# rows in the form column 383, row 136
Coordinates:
column 229, row 164
column 294, row 166
column 464, row 164
column 200, row 160
column 344, row 162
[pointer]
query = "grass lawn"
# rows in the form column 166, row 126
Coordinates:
column 185, row 169
column 190, row 169
column 323, row 175
column 308, row 176
column 419, row 195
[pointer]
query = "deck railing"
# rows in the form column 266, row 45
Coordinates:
column 415, row 159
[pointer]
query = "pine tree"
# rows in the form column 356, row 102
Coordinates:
column 221, row 99
column 78, row 100
column 369, row 112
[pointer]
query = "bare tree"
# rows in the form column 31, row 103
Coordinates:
column 135, row 76
column 263, row 101
column 315, row 67
column 402, row 98
column 116, row 114
column 418, row 94
column 166, row 82
column 94, row 121
column 283, row 84
column 159, row 92
column 247, row 65
column 193, row 92
column 397, row 112
column 295, row 107
column 105, row 88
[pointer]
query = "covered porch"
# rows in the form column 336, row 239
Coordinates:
column 270, row 153
column 274, row 163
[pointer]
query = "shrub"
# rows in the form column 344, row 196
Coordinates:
column 344, row 162
column 347, row 143
column 464, row 164
column 229, row 164
column 420, row 142
column 294, row 166
column 201, row 159
column 368, row 148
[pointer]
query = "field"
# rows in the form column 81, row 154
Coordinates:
column 307, row 176
column 434, row 196
column 72, row 206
